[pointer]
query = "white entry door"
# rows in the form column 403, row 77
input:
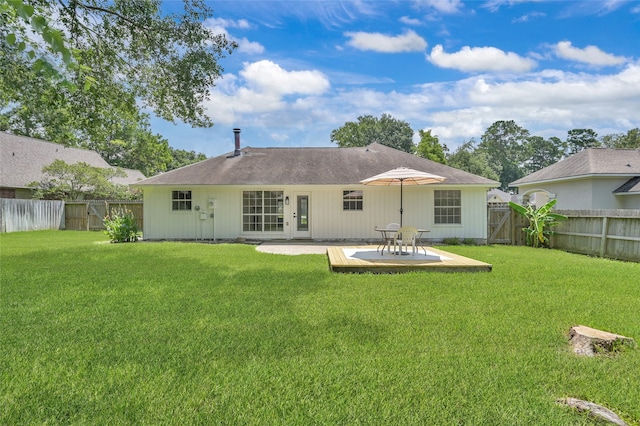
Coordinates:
column 301, row 217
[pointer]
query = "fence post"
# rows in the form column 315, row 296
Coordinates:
column 603, row 236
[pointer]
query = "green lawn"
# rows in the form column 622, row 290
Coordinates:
column 184, row 333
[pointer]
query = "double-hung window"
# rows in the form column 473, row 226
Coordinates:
column 352, row 200
column 447, row 206
column 262, row 211
column 181, row 200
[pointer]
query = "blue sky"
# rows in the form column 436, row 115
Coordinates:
column 304, row 68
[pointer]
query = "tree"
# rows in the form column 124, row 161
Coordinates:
column 504, row 143
column 167, row 61
column 543, row 152
column 97, row 66
column 579, row 139
column 103, row 118
column 429, row 147
column 630, row 140
column 65, row 181
column 181, row 158
column 467, row 158
column 385, row 130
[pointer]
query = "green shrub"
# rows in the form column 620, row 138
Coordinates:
column 452, row 241
column 540, row 220
column 121, row 226
column 469, row 241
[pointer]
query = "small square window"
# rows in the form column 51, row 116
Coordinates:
column 181, row 200
column 352, row 200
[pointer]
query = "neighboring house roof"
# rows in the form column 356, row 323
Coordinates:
column 632, row 186
column 586, row 163
column 22, row 159
column 307, row 166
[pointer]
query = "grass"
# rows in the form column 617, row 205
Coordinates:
column 184, row 333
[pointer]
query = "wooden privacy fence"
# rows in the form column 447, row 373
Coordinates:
column 30, row 215
column 606, row 233
column 89, row 215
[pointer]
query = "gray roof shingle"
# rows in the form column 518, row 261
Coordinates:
column 632, row 186
column 307, row 166
column 22, row 159
column 591, row 161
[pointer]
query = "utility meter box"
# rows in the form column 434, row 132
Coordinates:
column 203, row 215
column 212, row 203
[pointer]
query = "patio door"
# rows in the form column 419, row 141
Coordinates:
column 301, row 216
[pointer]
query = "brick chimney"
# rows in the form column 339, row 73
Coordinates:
column 236, row 132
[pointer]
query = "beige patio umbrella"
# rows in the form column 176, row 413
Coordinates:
column 402, row 176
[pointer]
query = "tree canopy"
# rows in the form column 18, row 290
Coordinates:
column 505, row 144
column 63, row 181
column 429, row 147
column 82, row 73
column 385, row 130
column 167, row 61
column 466, row 157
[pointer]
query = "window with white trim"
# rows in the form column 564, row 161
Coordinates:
column 447, row 206
column 352, row 200
column 262, row 211
column 181, row 200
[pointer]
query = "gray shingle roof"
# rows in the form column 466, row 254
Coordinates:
column 589, row 162
column 22, row 159
column 307, row 166
column 632, row 186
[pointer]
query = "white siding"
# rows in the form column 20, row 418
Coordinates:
column 327, row 218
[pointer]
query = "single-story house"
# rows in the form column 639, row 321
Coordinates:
column 595, row 178
column 497, row 196
column 309, row 193
column 22, row 159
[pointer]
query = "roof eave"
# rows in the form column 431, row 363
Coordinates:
column 577, row 177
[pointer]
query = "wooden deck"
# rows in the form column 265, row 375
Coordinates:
column 360, row 259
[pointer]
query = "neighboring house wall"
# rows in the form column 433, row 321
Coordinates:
column 328, row 220
column 629, row 201
column 588, row 179
column 586, row 193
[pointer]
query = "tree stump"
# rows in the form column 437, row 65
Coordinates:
column 594, row 410
column 589, row 341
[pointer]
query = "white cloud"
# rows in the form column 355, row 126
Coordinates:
column 410, row 21
column 378, row 42
column 260, row 91
column 546, row 100
column 249, row 47
column 220, row 25
column 269, row 77
column 472, row 59
column 529, row 16
column 443, row 6
column 591, row 55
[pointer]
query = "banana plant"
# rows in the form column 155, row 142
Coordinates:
column 540, row 220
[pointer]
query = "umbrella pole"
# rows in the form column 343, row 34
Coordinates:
column 401, row 202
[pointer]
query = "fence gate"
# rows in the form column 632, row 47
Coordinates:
column 499, row 220
column 505, row 225
column 96, row 211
